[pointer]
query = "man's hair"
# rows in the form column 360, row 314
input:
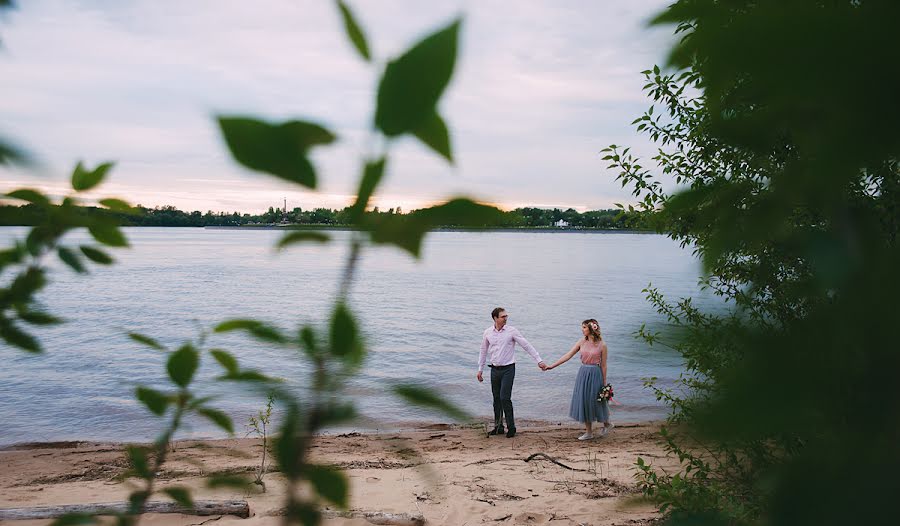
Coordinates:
column 496, row 312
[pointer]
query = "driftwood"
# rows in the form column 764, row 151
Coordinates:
column 551, row 459
column 373, row 517
column 239, row 508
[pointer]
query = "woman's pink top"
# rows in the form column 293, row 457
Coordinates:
column 590, row 352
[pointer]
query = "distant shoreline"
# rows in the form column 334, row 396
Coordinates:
column 542, row 230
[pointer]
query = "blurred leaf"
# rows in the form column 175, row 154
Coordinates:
column 18, row 338
column 183, row 364
column 138, row 457
column 372, row 175
column 108, row 235
column 84, row 179
column 424, row 397
column 304, row 513
column 136, row 502
column 248, row 376
column 219, row 418
column 345, row 338
column 412, row 84
column 146, row 340
column 288, row 445
column 229, row 481
column 39, row 318
column 71, row 259
column 408, row 231
column 155, row 401
column 354, row 32
column 225, row 359
column 95, row 255
column 278, row 149
column 73, row 519
column 255, row 328
column 336, row 413
column 180, row 495
column 329, row 483
column 31, row 196
column 119, row 205
column 433, row 132
column 39, row 238
column 309, row 342
column 301, row 236
column 9, row 154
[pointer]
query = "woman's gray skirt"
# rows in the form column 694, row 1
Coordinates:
column 585, row 407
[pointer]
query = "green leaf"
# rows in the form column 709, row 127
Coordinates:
column 146, row 340
column 84, row 179
column 31, row 196
column 39, row 318
column 183, row 364
column 425, row 397
column 277, row 149
column 10, row 154
column 229, row 481
column 155, row 401
column 345, row 338
column 180, row 495
column 329, row 483
column 354, row 31
column 372, row 175
column 412, row 84
column 408, row 231
column 255, row 328
column 119, row 205
column 108, row 235
column 433, row 132
column 71, row 259
column 288, row 444
column 18, row 338
column 73, row 519
column 136, row 502
column 302, row 236
column 248, row 376
column 95, row 255
column 139, row 465
column 226, row 360
column 218, row 417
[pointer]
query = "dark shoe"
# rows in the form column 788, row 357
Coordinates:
column 511, row 433
column 495, row 431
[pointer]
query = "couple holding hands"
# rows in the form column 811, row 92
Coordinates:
column 498, row 350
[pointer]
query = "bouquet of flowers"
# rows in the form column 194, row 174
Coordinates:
column 605, row 394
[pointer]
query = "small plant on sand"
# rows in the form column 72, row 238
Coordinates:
column 259, row 425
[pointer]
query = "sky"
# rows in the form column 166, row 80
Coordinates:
column 540, row 87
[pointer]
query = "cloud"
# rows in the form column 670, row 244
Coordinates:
column 540, row 88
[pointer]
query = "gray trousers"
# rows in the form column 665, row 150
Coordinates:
column 502, row 378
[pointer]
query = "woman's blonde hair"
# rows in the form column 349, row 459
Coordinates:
column 593, row 328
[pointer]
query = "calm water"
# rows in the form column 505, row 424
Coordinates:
column 423, row 322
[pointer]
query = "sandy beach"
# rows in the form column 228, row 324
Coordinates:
column 446, row 475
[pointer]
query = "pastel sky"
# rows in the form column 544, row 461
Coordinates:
column 540, row 88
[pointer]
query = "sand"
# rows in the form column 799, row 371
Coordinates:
column 447, row 474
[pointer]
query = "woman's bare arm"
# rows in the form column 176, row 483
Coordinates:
column 565, row 358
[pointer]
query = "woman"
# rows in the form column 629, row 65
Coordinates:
column 591, row 378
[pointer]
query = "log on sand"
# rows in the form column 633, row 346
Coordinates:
column 373, row 517
column 239, row 508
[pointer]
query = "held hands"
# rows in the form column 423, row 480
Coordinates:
column 542, row 366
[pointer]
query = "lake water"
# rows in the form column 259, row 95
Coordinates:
column 423, row 322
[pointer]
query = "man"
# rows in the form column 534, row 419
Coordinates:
column 499, row 345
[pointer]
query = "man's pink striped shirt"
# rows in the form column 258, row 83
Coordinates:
column 499, row 347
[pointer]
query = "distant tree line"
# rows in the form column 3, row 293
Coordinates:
column 614, row 219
